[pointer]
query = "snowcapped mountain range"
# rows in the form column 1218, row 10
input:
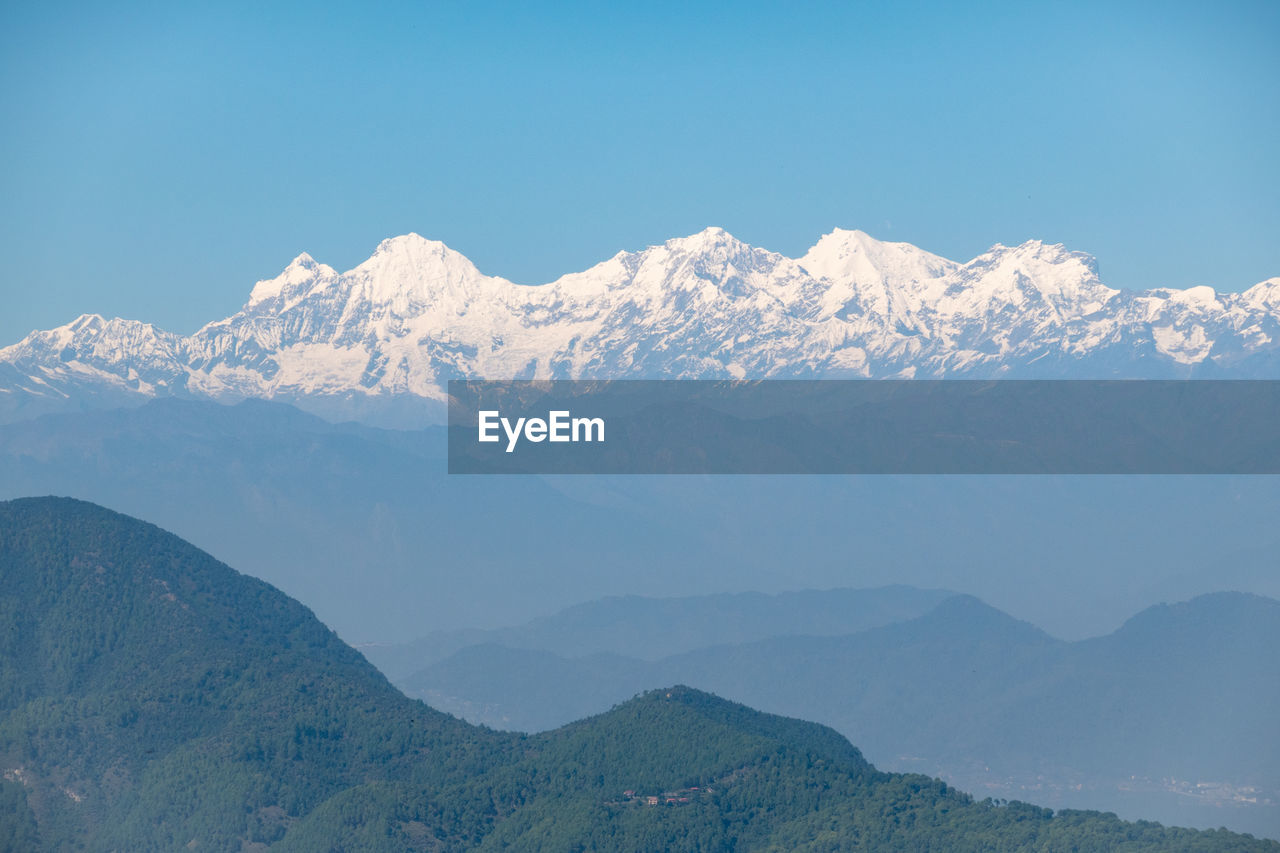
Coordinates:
column 378, row 342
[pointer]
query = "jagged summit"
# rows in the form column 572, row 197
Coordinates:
column 401, row 266
column 841, row 244
column 705, row 240
column 301, row 271
column 412, row 267
column 415, row 313
column 86, row 321
column 413, row 249
column 870, row 277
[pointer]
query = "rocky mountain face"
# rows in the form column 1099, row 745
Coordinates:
column 378, row 342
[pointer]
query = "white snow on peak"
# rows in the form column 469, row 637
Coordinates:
column 1031, row 273
column 91, row 322
column 710, row 238
column 707, row 250
column 855, row 255
column 870, row 277
column 707, row 305
column 1265, row 294
column 1199, row 297
column 411, row 265
column 302, row 270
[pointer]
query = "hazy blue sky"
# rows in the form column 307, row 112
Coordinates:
column 159, row 158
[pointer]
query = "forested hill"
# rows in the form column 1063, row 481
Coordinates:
column 152, row 698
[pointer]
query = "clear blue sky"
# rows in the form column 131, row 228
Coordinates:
column 157, row 159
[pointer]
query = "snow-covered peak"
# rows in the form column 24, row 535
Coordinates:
column 1200, row 297
column 404, row 278
column 709, row 261
column 857, row 256
column 1264, row 294
column 413, row 247
column 90, row 339
column 86, row 322
column 1031, row 272
column 416, row 313
column 411, row 244
column 708, row 239
column 86, row 327
column 1039, row 250
column 411, row 267
column 298, row 277
column 709, row 248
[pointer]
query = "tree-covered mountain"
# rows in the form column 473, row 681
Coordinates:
column 970, row 693
column 151, row 698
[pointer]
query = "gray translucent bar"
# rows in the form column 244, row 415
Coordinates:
column 865, row 427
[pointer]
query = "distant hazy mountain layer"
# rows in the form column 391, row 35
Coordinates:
column 901, row 684
column 363, row 525
column 963, row 691
column 651, row 628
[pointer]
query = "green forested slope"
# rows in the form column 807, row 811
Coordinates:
column 153, row 699
column 152, row 696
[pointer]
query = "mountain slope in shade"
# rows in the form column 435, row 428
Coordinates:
column 152, row 698
column 379, row 341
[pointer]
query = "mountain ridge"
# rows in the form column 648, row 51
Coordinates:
column 154, row 699
column 971, row 694
column 396, row 327
column 654, row 628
